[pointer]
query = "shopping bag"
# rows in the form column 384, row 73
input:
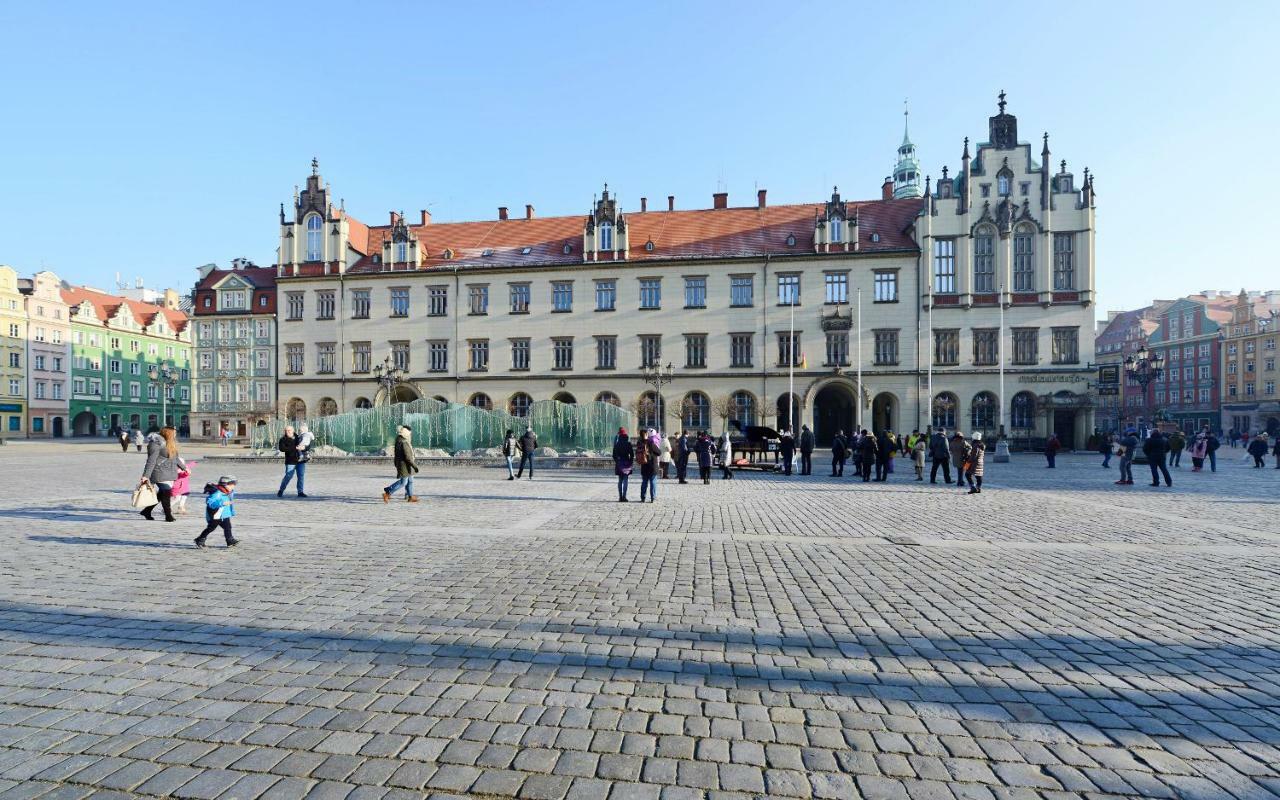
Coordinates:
column 144, row 495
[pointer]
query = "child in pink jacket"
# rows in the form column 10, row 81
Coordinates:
column 182, row 488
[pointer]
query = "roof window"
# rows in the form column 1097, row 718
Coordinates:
column 524, row 251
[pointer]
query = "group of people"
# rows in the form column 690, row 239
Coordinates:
column 169, row 476
column 1164, row 450
column 655, row 454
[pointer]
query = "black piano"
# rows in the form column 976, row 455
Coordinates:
column 755, row 443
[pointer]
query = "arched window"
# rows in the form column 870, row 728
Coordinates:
column 984, row 260
column 1024, row 252
column 1022, row 414
column 744, row 408
column 315, row 238
column 402, row 252
column 519, row 405
column 327, row 407
column 481, row 401
column 296, row 409
column 1002, row 185
column 606, row 236
column 944, row 410
column 983, row 412
column 610, row 398
column 650, row 410
column 836, row 226
column 363, row 402
column 566, row 398
column 695, row 411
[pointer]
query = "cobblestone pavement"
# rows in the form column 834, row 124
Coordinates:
column 1054, row 637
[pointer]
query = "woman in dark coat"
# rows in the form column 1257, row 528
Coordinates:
column 163, row 463
column 624, row 456
column 406, row 467
column 682, row 452
column 1258, row 449
column 704, row 448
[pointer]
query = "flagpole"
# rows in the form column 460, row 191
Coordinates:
column 791, row 365
column 929, row 347
column 857, row 400
column 1002, row 446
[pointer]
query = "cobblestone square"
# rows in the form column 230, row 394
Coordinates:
column 1054, row 637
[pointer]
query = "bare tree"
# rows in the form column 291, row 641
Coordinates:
column 724, row 407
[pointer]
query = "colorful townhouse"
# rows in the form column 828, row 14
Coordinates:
column 13, row 356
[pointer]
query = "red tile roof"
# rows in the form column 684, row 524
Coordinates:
column 107, row 305
column 258, row 277
column 696, row 234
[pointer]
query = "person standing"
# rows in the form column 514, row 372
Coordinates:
column 1106, row 447
column 959, row 449
column 884, row 455
column 867, row 455
column 406, row 466
column 806, row 450
column 138, row 439
column 977, row 456
column 162, row 467
column 648, row 452
column 1233, row 436
column 1156, row 447
column 624, row 456
column 1211, row 449
column 1199, row 449
column 510, row 449
column 839, row 452
column 1275, row 450
column 1258, row 449
column 1177, row 443
column 1128, row 449
column 1051, row 449
column 917, row 456
column 682, row 453
column 288, row 445
column 664, row 455
column 705, row 448
column 787, row 449
column 182, row 489
column 941, row 456
column 219, row 508
column 124, row 440
column 726, row 457
column 528, row 443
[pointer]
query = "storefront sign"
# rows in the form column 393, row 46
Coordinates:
column 1050, row 378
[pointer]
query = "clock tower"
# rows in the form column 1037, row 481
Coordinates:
column 906, row 173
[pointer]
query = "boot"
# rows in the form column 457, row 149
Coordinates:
column 411, row 499
column 386, row 496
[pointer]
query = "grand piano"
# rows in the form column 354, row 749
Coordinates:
column 755, row 443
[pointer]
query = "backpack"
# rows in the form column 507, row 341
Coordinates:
column 210, row 488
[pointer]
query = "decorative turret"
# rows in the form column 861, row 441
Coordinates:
column 906, row 173
column 605, row 232
column 1003, row 128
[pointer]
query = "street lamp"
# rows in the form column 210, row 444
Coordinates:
column 167, row 377
column 658, row 376
column 388, row 376
column 1144, row 367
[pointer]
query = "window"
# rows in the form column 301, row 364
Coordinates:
column 57, row 390
column 986, row 346
column 606, row 352
column 983, row 411
column 1204, row 395
column 14, row 329
column 1269, row 388
column 77, row 386
column 610, row 398
column 361, row 356
column 1249, row 390
column 439, row 356
column 478, row 299
column 836, row 285
column 986, row 189
column 744, row 408
column 606, row 236
column 324, row 357
column 650, row 350
column 402, row 253
column 650, row 292
column 520, row 293
column 788, row 349
column 235, row 300
column 1023, row 411
column 263, row 360
column 561, row 296
column 400, row 355
column 984, row 262
column 946, row 347
column 263, row 390
column 295, row 357
column 886, row 347
column 606, row 295
column 359, row 304
column 95, row 387
column 315, row 238
column 695, row 350
column 695, row 411
column 741, row 291
column 1269, row 344
column 400, row 301
column 1026, row 346
column 57, row 336
column 886, row 287
column 837, row 348
column 944, row 266
column 57, row 364
column 324, row 305
column 788, row 290
column 1024, row 188
column 39, row 334
column 481, row 400
column 479, row 354
column 944, row 410
column 1066, row 345
column 40, row 390
column 695, row 292
column 1204, row 371
column 741, row 348
column 40, row 362
column 437, row 301
column 1269, row 365
column 520, row 354
column 520, row 404
column 562, row 352
column 1063, row 268
column 37, row 423
column 293, row 305
column 1002, row 185
column 652, row 410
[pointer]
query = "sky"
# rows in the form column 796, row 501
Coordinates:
column 148, row 139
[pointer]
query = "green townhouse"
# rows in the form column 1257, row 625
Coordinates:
column 130, row 363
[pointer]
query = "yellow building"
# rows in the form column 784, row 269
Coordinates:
column 1251, row 378
column 13, row 356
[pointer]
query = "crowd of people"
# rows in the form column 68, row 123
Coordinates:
column 1164, row 450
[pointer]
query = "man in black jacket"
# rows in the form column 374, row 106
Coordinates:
column 683, row 450
column 1156, row 447
column 941, row 455
column 786, row 449
column 882, row 456
column 839, row 452
column 528, row 443
column 867, row 448
column 806, row 450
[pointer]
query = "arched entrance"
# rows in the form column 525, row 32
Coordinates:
column 1065, row 408
column 884, row 413
column 788, row 407
column 84, row 424
column 833, row 410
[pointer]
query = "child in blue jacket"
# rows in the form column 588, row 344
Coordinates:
column 219, row 509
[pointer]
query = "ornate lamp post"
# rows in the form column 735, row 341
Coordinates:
column 658, row 376
column 1144, row 367
column 388, row 376
column 167, row 377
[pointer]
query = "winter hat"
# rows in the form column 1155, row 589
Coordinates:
column 226, row 480
column 977, row 437
column 622, row 431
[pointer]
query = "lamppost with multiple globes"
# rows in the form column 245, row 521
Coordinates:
column 658, row 376
column 388, row 376
column 1144, row 367
column 167, row 377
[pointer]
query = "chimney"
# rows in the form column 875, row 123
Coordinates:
column 394, row 217
column 720, row 200
column 671, row 202
column 644, row 204
column 886, row 191
column 502, row 212
column 528, row 211
column 426, row 217
column 760, row 198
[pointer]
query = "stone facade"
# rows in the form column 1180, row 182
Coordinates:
column 13, row 356
column 1248, row 394
column 48, row 357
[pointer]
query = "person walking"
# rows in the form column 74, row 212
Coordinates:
column 705, row 448
column 161, row 469
column 726, row 457
column 806, row 450
column 1275, row 450
column 124, row 440
column 288, row 445
column 406, row 466
column 1051, row 449
column 1156, row 447
column 664, row 456
column 138, row 439
column 682, row 452
column 528, row 443
column 839, row 452
column 1233, row 436
column 787, row 449
column 1128, row 449
column 1258, row 449
column 917, row 456
column 1106, row 447
column 1199, row 449
column 1211, row 449
column 884, row 456
column 959, row 449
column 941, row 456
column 624, row 456
column 182, row 489
column 976, row 458
column 1177, row 443
column 510, row 449
column 219, row 508
column 867, row 454
column 648, row 452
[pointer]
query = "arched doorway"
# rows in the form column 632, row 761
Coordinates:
column 84, row 424
column 57, row 428
column 884, row 413
column 833, row 410
column 788, row 408
column 327, row 407
column 1065, row 407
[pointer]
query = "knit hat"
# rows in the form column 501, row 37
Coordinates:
column 622, row 431
column 227, row 479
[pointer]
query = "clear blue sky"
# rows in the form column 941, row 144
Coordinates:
column 150, row 139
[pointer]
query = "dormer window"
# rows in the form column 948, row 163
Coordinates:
column 1002, row 185
column 606, row 236
column 836, row 226
column 402, row 252
column 315, row 234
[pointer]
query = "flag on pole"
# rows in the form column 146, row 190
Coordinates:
column 804, row 362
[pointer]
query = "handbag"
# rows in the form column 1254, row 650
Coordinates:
column 144, row 495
